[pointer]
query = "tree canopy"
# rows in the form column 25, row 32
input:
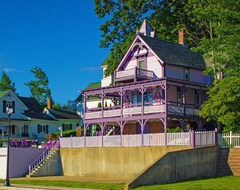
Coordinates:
column 212, row 27
column 223, row 103
column 39, row 87
column 6, row 83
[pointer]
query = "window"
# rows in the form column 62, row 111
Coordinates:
column 66, row 127
column 186, row 73
column 136, row 97
column 148, row 96
column 8, row 104
column 141, row 64
column 42, row 128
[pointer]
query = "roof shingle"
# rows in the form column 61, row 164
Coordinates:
column 175, row 54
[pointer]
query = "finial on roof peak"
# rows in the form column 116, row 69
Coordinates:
column 146, row 29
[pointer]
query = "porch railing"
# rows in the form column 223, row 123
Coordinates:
column 192, row 138
column 227, row 140
column 134, row 73
column 130, row 109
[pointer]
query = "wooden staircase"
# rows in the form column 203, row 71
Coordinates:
column 228, row 162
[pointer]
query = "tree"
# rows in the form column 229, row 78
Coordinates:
column 39, row 87
column 219, row 23
column 212, row 27
column 124, row 17
column 223, row 103
column 6, row 83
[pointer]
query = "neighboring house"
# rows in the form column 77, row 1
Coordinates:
column 157, row 85
column 30, row 120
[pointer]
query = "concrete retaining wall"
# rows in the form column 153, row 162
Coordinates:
column 115, row 162
column 176, row 166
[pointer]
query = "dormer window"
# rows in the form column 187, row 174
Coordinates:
column 186, row 74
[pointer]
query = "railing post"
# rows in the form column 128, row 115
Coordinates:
column 29, row 170
column 193, row 139
column 230, row 140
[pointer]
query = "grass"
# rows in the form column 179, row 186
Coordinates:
column 74, row 184
column 218, row 183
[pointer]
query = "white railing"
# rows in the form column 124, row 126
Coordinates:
column 126, row 111
column 205, row 138
column 181, row 139
column 125, row 73
column 226, row 140
column 192, row 138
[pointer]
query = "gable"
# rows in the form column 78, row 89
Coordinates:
column 9, row 98
column 162, row 52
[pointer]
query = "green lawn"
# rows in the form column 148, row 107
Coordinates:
column 220, row 183
column 75, row 184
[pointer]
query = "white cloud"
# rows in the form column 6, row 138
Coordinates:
column 90, row 68
column 9, row 70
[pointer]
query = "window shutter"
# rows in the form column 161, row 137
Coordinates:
column 4, row 106
column 47, row 129
column 13, row 106
column 38, row 128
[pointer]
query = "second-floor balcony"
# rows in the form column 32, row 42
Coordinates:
column 143, row 99
column 138, row 109
column 134, row 74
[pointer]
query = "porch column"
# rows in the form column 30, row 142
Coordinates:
column 102, row 95
column 121, row 132
column 85, row 131
column 142, row 130
column 103, row 128
column 142, row 90
column 121, row 93
column 165, row 87
column 85, row 97
column 20, row 131
column 184, row 98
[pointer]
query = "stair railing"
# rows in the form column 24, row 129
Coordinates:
column 43, row 156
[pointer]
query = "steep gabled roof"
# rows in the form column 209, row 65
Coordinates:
column 63, row 114
column 174, row 54
column 32, row 104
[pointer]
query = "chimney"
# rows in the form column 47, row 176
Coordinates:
column 49, row 103
column 181, row 36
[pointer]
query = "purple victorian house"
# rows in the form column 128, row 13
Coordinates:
column 157, row 85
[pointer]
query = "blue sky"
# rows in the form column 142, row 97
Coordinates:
column 61, row 37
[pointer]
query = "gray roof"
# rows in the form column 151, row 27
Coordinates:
column 64, row 114
column 175, row 54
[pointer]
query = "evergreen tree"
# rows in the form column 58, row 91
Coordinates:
column 39, row 87
column 6, row 83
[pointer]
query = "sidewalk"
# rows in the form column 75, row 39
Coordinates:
column 35, row 187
